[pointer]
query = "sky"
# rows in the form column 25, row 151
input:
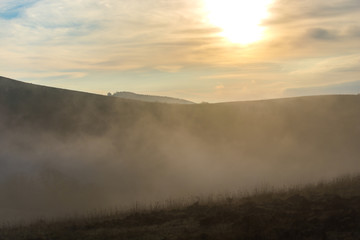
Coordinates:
column 199, row 50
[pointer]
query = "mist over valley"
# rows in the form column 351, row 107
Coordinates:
column 65, row 152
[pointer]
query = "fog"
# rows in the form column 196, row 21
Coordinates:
column 163, row 151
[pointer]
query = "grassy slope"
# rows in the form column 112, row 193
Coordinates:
column 289, row 132
column 37, row 104
column 315, row 120
column 322, row 211
column 61, row 111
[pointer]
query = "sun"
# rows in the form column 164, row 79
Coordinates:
column 239, row 19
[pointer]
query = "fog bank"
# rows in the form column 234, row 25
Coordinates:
column 84, row 153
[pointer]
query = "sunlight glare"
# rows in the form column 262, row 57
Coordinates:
column 239, row 19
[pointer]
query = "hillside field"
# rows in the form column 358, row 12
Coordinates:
column 66, row 153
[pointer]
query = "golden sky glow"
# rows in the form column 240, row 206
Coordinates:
column 201, row 50
column 240, row 21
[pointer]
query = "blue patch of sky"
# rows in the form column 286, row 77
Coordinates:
column 8, row 15
column 12, row 11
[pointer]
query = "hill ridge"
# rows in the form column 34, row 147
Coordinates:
column 149, row 98
column 115, row 151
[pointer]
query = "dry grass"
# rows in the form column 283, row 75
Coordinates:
column 326, row 210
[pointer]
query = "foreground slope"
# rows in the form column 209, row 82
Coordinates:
column 322, row 211
column 64, row 151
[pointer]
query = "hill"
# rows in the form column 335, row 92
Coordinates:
column 320, row 211
column 149, row 98
column 64, row 152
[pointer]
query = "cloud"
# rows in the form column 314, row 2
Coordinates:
column 220, row 86
column 321, row 20
column 290, row 11
column 137, row 32
column 113, row 38
column 331, row 65
column 354, row 31
column 321, row 34
column 169, row 68
column 337, row 88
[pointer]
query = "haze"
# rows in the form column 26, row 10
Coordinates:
column 71, row 151
column 64, row 152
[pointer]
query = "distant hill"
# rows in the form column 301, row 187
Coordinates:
column 64, row 152
column 149, row 98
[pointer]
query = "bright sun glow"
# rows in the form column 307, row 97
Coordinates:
column 239, row 19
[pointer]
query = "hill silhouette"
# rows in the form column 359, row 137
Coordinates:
column 64, row 152
column 149, row 98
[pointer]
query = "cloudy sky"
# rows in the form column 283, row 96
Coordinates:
column 200, row 50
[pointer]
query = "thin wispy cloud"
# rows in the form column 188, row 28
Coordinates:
column 172, row 44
